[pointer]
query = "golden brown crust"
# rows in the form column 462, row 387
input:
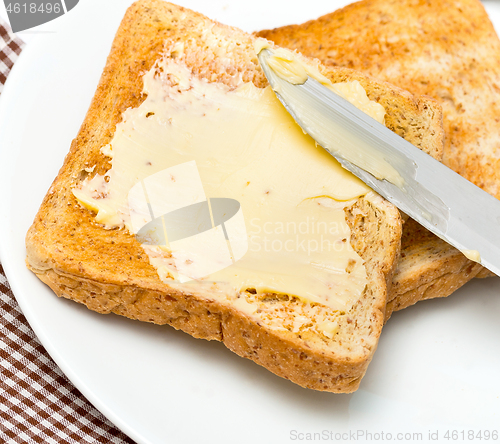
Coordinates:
column 443, row 271
column 485, row 273
column 457, row 62
column 438, row 287
column 213, row 321
column 108, row 271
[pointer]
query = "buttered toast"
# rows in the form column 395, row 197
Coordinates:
column 165, row 57
column 447, row 50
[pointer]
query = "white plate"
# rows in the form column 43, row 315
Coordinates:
column 437, row 363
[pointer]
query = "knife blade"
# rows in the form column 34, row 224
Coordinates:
column 441, row 200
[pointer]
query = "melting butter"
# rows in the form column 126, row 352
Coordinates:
column 287, row 66
column 283, row 63
column 472, row 255
column 248, row 148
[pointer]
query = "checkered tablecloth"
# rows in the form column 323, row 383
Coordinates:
column 38, row 404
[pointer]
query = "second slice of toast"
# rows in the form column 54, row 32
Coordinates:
column 447, row 50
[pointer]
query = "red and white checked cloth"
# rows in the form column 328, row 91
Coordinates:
column 38, row 404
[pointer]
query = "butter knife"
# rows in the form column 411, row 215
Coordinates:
column 441, row 200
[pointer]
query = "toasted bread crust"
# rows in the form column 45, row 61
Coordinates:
column 454, row 60
column 442, row 271
column 108, row 271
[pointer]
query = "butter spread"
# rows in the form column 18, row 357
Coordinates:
column 288, row 66
column 245, row 147
column 472, row 255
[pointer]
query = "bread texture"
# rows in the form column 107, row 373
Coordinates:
column 447, row 50
column 108, row 271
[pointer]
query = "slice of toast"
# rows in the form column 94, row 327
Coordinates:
column 447, row 50
column 108, row 271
